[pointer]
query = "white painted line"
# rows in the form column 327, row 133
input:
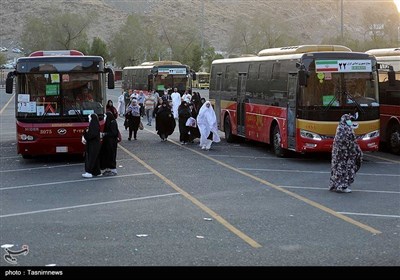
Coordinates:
column 50, row 166
column 322, row 172
column 8, row 102
column 87, row 205
column 42, row 167
column 283, row 170
column 251, row 157
column 74, row 181
column 10, row 157
column 326, row 189
column 372, row 215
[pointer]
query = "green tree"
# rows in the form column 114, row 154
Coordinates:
column 239, row 38
column 99, row 47
column 3, row 59
column 209, row 56
column 57, row 30
column 182, row 43
column 131, row 43
column 33, row 37
column 260, row 32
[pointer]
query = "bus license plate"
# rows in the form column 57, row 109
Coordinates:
column 62, row 149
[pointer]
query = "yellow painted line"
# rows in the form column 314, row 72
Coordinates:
column 196, row 202
column 5, row 106
column 382, row 158
column 299, row 197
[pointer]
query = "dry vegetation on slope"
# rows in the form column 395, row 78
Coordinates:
column 309, row 20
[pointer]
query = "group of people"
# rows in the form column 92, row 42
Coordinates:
column 101, row 147
column 193, row 123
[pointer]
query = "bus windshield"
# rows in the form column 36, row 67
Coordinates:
column 161, row 82
column 340, row 89
column 59, row 94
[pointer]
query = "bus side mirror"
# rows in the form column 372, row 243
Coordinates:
column 110, row 79
column 302, row 77
column 391, row 77
column 10, row 82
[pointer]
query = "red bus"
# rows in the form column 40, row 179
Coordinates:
column 293, row 97
column 55, row 92
column 389, row 96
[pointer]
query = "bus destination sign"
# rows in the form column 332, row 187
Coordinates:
column 343, row 65
column 172, row 70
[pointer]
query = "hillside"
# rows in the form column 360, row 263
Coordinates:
column 310, row 20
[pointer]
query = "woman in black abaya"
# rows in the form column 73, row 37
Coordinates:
column 108, row 151
column 91, row 137
column 165, row 122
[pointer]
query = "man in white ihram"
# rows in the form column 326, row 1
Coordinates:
column 176, row 101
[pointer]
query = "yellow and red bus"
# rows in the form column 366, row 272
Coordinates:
column 389, row 96
column 54, row 94
column 293, row 97
column 158, row 75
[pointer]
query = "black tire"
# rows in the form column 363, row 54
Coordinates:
column 276, row 144
column 393, row 141
column 228, row 130
column 26, row 156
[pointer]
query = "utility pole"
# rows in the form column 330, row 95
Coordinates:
column 202, row 25
column 341, row 19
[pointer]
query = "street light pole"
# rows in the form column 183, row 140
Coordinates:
column 398, row 34
column 202, row 25
column 341, row 19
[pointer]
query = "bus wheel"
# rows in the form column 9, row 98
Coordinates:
column 228, row 130
column 277, row 149
column 26, row 156
column 394, row 139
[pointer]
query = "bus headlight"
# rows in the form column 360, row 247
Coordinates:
column 370, row 135
column 25, row 137
column 309, row 135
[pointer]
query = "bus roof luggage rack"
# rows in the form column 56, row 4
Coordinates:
column 158, row 63
column 384, row 52
column 303, row 49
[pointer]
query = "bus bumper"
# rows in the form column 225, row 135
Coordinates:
column 308, row 145
column 51, row 147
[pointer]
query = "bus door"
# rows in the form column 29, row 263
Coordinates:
column 217, row 105
column 240, row 105
column 291, row 111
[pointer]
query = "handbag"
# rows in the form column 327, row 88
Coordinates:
column 126, row 123
column 141, row 127
column 191, row 122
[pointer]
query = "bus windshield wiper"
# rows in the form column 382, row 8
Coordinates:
column 333, row 100
column 78, row 113
column 44, row 114
column 350, row 97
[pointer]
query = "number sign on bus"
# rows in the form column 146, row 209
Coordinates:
column 343, row 66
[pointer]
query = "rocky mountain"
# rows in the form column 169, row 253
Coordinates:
column 309, row 20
